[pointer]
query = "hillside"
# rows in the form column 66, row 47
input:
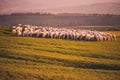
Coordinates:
column 98, row 8
column 7, row 7
column 27, row 58
column 60, row 20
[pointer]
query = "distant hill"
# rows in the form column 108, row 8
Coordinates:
column 98, row 8
column 62, row 19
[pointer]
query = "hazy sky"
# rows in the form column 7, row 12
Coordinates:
column 17, row 5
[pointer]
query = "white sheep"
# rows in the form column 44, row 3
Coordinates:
column 62, row 33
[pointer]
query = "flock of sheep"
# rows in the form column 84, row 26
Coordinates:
column 61, row 33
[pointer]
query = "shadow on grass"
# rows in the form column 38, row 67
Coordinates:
column 62, row 62
column 7, row 32
column 100, row 56
column 15, row 75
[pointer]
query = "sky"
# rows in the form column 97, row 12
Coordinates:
column 7, row 6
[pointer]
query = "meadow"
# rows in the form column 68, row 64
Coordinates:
column 28, row 58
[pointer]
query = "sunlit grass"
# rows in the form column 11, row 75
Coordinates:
column 28, row 58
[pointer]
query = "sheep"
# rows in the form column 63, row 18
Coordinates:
column 13, row 31
column 61, row 33
column 18, row 33
column 13, row 27
column 114, row 37
column 56, row 34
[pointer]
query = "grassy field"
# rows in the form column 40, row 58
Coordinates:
column 27, row 58
column 98, row 28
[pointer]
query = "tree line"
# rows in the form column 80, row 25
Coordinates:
column 60, row 19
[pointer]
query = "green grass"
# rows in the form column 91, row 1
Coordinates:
column 99, row 28
column 27, row 58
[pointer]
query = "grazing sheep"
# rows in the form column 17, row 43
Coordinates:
column 18, row 33
column 61, row 33
column 114, row 37
column 13, row 31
